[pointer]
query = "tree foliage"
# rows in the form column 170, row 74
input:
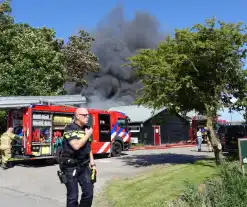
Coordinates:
column 79, row 58
column 31, row 60
column 200, row 68
column 34, row 62
column 241, row 102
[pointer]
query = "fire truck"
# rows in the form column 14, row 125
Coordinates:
column 200, row 122
column 39, row 128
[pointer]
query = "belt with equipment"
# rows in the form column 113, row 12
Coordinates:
column 71, row 165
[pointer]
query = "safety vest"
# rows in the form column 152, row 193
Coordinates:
column 70, row 157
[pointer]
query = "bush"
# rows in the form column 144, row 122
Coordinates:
column 3, row 121
column 229, row 189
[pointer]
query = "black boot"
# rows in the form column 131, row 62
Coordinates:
column 4, row 166
column 10, row 165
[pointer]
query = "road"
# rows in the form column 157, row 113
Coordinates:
column 35, row 185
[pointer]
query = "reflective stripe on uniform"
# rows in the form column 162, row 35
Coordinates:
column 74, row 133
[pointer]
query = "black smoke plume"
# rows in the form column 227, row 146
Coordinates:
column 116, row 40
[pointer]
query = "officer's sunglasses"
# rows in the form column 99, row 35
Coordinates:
column 84, row 115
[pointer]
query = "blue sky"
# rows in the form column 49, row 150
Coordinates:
column 68, row 16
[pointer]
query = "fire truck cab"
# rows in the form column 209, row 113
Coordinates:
column 40, row 127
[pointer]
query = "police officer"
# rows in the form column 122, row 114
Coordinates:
column 5, row 147
column 76, row 160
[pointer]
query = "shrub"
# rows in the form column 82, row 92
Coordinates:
column 3, row 121
column 229, row 189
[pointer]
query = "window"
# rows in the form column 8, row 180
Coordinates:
column 235, row 131
column 122, row 123
column 104, row 120
column 104, row 128
column 134, row 129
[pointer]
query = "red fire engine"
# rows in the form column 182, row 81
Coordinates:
column 40, row 128
column 199, row 122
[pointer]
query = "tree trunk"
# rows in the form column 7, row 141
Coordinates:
column 217, row 147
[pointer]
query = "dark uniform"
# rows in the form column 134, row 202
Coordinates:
column 75, row 166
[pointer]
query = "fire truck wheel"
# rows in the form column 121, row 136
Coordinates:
column 116, row 149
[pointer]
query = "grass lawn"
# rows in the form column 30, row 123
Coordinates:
column 154, row 188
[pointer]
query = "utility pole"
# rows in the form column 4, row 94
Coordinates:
column 230, row 111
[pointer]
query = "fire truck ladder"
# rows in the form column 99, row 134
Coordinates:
column 8, row 102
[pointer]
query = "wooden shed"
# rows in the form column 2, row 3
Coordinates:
column 158, row 127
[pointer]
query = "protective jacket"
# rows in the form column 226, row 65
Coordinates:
column 69, row 157
column 6, row 140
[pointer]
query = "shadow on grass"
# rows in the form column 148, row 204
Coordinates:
column 209, row 162
column 170, row 158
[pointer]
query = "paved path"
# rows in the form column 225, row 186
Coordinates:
column 39, row 186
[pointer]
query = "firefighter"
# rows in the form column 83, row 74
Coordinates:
column 76, row 160
column 5, row 146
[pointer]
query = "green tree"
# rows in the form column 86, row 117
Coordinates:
column 241, row 102
column 31, row 60
column 200, row 68
column 79, row 58
column 34, row 62
column 5, row 10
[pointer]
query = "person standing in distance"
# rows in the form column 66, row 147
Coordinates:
column 199, row 139
column 76, row 160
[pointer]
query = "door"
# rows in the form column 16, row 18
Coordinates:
column 104, row 128
column 157, row 138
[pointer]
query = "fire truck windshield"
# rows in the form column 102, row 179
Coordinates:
column 122, row 123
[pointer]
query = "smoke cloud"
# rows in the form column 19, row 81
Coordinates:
column 116, row 40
